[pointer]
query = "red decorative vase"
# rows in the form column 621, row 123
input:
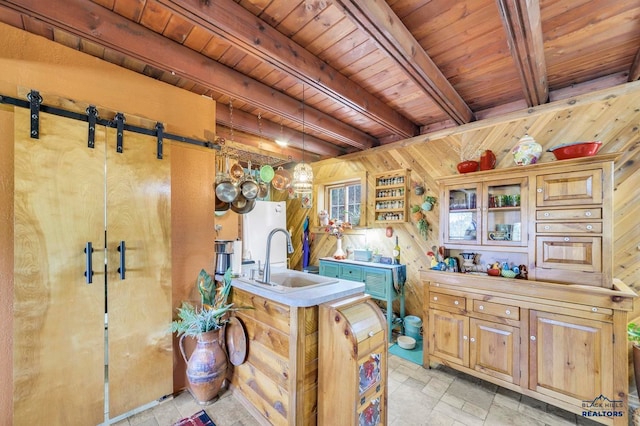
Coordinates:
column 468, row 166
column 487, row 160
column 206, row 368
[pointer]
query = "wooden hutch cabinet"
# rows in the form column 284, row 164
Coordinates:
column 559, row 336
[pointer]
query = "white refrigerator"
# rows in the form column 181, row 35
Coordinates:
column 256, row 226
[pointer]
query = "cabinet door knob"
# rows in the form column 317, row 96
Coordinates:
column 435, row 298
column 539, row 190
column 464, row 337
column 587, row 213
column 481, row 307
column 533, row 338
column 566, row 238
column 546, row 214
column 456, row 302
column 547, row 227
column 508, row 312
column 371, row 334
column 589, row 227
column 594, row 309
column 472, row 340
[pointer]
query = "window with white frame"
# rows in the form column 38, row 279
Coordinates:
column 344, row 200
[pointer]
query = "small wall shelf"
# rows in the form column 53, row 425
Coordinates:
column 391, row 192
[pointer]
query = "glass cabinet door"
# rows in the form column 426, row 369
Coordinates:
column 503, row 207
column 463, row 214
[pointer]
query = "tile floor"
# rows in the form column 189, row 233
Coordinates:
column 417, row 396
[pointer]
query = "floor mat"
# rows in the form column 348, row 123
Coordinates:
column 414, row 355
column 201, row 418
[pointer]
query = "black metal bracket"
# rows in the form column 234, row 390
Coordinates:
column 34, row 105
column 160, row 135
column 119, row 119
column 92, row 116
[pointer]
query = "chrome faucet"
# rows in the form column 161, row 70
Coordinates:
column 266, row 276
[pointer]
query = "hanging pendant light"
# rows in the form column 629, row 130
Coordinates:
column 302, row 172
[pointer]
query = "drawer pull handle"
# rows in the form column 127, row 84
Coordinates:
column 533, row 338
column 539, row 190
column 456, row 302
column 435, row 298
column 589, row 227
column 464, row 337
column 587, row 213
column 547, row 227
column 481, row 307
column 566, row 238
column 546, row 214
column 508, row 312
column 472, row 340
column 594, row 309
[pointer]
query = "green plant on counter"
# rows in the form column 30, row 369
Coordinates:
column 212, row 315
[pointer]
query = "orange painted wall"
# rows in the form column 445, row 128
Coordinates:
column 31, row 62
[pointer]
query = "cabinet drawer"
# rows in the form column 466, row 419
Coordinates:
column 569, row 188
column 564, row 214
column 496, row 309
column 350, row 272
column 448, row 300
column 567, row 228
column 569, row 253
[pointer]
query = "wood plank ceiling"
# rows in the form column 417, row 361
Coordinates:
column 352, row 74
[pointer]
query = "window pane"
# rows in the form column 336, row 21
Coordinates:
column 336, row 196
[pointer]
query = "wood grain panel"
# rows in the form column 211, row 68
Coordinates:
column 268, row 312
column 58, row 317
column 6, row 256
column 140, row 305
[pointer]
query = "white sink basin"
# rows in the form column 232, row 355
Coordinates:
column 290, row 280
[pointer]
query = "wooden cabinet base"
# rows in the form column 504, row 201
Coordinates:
column 563, row 345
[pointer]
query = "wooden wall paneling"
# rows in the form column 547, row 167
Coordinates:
column 140, row 305
column 6, row 256
column 192, row 230
column 58, row 336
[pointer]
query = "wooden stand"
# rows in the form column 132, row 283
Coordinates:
column 352, row 363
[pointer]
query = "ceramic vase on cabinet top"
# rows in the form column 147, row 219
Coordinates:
column 339, row 253
column 206, row 368
column 527, row 151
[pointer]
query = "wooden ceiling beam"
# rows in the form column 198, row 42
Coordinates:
column 271, row 131
column 378, row 20
column 523, row 29
column 634, row 71
column 105, row 28
column 229, row 20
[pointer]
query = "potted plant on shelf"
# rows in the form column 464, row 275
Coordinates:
column 207, row 365
column 428, row 202
column 633, row 334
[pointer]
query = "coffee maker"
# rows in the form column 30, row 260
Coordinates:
column 224, row 253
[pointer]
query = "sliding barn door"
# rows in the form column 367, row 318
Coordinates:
column 58, row 334
column 139, row 301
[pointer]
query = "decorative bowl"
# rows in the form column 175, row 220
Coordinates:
column 508, row 273
column 468, row 166
column 406, row 342
column 575, row 150
column 494, row 272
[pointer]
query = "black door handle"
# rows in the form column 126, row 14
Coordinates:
column 88, row 272
column 122, row 250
